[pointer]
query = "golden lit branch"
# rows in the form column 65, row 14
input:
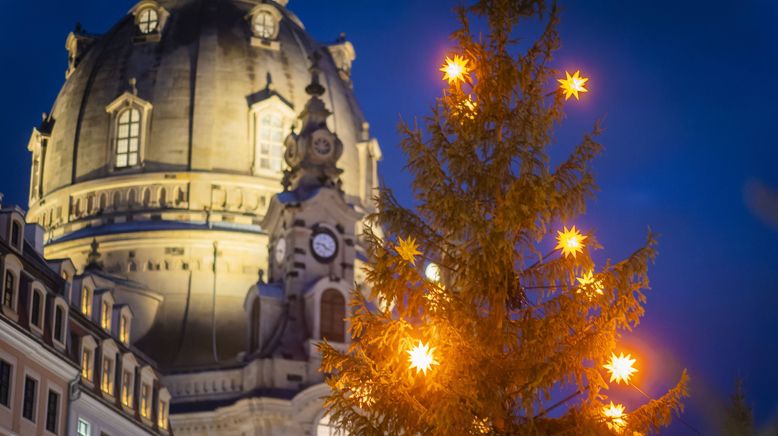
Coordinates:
column 620, row 367
column 572, row 85
column 421, row 358
column 614, row 413
column 570, row 241
column 455, row 70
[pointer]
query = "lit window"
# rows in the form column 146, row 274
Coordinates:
column 127, row 388
column 162, row 415
column 145, row 401
column 148, row 21
column 128, row 138
column 86, row 302
column 326, row 428
column 106, row 382
column 264, row 25
column 9, row 290
column 87, row 364
column 105, row 316
column 270, row 141
column 124, row 330
column 83, row 428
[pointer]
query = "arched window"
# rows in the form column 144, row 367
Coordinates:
column 131, row 199
column 264, row 25
column 146, row 197
column 254, row 336
column 128, row 138
column 332, row 324
column 162, row 197
column 101, row 202
column 327, row 428
column 117, row 200
column 148, row 21
column 270, row 140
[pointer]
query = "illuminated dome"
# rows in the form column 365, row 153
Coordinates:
column 165, row 146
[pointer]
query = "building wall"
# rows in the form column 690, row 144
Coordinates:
column 101, row 418
column 28, row 357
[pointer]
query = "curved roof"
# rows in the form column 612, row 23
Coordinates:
column 201, row 78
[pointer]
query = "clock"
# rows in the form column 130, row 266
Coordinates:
column 280, row 250
column 322, row 146
column 324, row 245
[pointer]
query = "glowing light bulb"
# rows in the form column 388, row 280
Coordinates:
column 421, row 358
column 620, row 367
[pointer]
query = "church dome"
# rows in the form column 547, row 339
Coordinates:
column 165, row 146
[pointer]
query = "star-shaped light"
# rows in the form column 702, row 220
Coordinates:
column 407, row 249
column 455, row 70
column 589, row 283
column 570, row 241
column 572, row 85
column 620, row 367
column 421, row 358
column 614, row 413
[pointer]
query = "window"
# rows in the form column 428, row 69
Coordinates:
column 35, row 308
column 16, row 231
column 148, row 21
column 333, row 313
column 106, row 381
column 162, row 415
column 145, row 401
column 59, row 324
column 128, row 138
column 83, row 428
column 105, row 316
column 326, row 428
column 5, row 383
column 87, row 363
column 270, row 141
column 9, row 289
column 124, row 329
column 264, row 25
column 52, row 411
column 86, row 302
column 127, row 388
column 30, row 392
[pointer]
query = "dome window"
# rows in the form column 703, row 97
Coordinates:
column 264, row 25
column 129, row 128
column 148, row 20
column 265, row 22
column 271, row 122
column 128, row 138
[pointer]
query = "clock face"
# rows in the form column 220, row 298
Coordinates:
column 280, row 250
column 322, row 146
column 324, row 245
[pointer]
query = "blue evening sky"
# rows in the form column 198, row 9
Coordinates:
column 688, row 92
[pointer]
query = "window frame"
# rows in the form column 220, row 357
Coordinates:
column 128, row 153
column 37, row 290
column 88, row 344
column 129, row 366
column 272, row 105
column 28, row 375
column 12, row 265
column 51, row 388
column 163, row 409
column 61, row 304
column 86, row 301
column 128, row 101
column 12, row 363
column 88, row 425
column 139, row 20
column 341, row 338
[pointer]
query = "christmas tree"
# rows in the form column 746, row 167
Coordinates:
column 492, row 318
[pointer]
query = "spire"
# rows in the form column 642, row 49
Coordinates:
column 93, row 258
column 312, row 155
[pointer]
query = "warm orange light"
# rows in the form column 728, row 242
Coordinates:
column 421, row 358
column 407, row 249
column 620, row 367
column 570, row 241
column 614, row 413
column 432, row 272
column 572, row 85
column 588, row 283
column 455, row 70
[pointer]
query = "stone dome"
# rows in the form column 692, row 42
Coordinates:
column 160, row 147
